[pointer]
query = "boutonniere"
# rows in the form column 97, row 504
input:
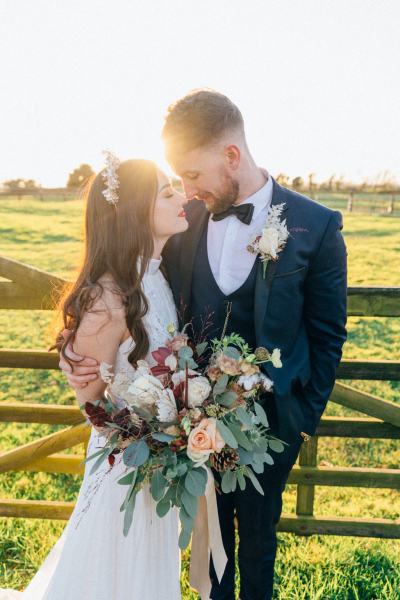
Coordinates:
column 273, row 237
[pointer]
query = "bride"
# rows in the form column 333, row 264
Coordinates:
column 118, row 311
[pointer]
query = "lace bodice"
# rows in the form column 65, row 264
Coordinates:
column 161, row 313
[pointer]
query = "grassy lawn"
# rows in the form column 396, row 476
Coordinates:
column 47, row 235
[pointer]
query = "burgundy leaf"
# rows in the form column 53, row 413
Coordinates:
column 160, row 370
column 161, row 354
column 111, row 459
column 97, row 415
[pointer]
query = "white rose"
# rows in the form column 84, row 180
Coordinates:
column 268, row 243
column 166, row 407
column 199, row 458
column 180, row 376
column 171, row 362
column 276, row 358
column 199, row 389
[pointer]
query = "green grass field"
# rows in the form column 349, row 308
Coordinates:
column 47, row 235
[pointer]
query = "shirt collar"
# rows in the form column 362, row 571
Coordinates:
column 262, row 197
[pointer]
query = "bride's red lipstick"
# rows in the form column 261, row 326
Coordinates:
column 182, row 214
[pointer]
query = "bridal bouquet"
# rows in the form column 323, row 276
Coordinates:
column 183, row 416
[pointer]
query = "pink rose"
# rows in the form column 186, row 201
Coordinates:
column 203, row 440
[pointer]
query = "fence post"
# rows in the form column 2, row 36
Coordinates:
column 305, row 493
column 350, row 202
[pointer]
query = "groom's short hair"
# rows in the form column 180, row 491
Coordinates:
column 199, row 119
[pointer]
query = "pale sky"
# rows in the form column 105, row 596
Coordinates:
column 317, row 81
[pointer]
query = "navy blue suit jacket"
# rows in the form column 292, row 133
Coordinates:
column 299, row 307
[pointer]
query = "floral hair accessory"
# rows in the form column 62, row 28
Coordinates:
column 110, row 177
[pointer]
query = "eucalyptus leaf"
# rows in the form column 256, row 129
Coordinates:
column 128, row 515
column 88, row 458
column 241, row 437
column 162, row 437
column 163, row 507
column 227, row 481
column 201, row 348
column 157, row 485
column 246, row 458
column 244, row 417
column 194, row 483
column 185, row 352
column 241, row 480
column 184, row 539
column 136, row 454
column 276, row 445
column 268, row 458
column 232, row 352
column 189, row 503
column 227, row 435
column 254, row 481
column 261, row 414
column 227, row 398
column 98, row 462
column 128, row 478
column 221, row 384
column 185, row 519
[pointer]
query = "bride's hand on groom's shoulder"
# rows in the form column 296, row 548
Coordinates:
column 85, row 371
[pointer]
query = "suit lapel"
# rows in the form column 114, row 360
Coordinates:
column 190, row 242
column 263, row 285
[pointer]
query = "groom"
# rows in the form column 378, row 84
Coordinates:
column 299, row 305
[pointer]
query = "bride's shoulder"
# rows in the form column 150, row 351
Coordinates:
column 105, row 306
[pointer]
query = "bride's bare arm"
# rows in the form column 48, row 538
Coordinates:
column 99, row 335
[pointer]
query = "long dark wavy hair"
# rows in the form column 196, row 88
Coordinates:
column 119, row 243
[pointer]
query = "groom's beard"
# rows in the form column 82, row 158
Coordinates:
column 217, row 203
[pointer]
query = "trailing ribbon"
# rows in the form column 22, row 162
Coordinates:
column 206, row 540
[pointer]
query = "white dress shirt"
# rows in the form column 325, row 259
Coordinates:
column 227, row 242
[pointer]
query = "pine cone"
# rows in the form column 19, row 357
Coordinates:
column 226, row 460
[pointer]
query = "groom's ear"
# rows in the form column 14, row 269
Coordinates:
column 232, row 156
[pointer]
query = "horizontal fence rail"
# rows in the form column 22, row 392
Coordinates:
column 28, row 288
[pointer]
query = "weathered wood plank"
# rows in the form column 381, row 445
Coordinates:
column 346, row 477
column 378, row 528
column 366, row 403
column 357, row 428
column 55, row 442
column 373, row 301
column 28, row 359
column 21, row 412
column 305, row 476
column 36, row 509
column 348, row 369
column 30, row 277
column 56, row 463
column 369, row 369
column 305, row 493
column 15, row 297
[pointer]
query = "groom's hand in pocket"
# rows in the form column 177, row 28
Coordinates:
column 85, row 369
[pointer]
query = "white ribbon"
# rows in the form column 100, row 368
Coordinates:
column 206, row 540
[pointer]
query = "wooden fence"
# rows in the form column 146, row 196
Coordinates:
column 29, row 288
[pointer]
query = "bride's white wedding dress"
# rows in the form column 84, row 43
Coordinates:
column 93, row 560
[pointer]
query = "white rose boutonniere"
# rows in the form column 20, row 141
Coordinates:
column 273, row 237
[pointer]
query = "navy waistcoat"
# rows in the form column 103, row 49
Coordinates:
column 209, row 303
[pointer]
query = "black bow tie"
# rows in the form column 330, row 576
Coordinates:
column 244, row 212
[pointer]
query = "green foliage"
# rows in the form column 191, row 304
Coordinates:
column 47, row 235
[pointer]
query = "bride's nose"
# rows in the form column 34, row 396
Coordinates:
column 182, row 200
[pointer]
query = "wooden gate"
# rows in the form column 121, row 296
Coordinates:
column 30, row 288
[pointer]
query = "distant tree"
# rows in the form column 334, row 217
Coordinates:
column 297, row 183
column 282, row 179
column 79, row 176
column 20, row 187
